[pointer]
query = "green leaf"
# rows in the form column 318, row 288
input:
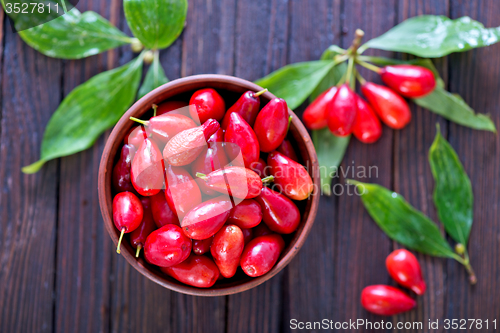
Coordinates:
column 75, row 36
column 330, row 150
column 295, row 82
column 401, row 222
column 333, row 76
column 155, row 77
column 431, row 36
column 453, row 107
column 89, row 110
column 156, row 23
column 453, row 191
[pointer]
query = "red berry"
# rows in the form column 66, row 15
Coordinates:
column 247, row 235
column 147, row 169
column 386, row 300
column 202, row 246
column 261, row 254
column 206, row 104
column 390, row 107
column 182, row 191
column 315, row 116
column 167, row 246
column 246, row 214
column 286, row 149
column 136, row 136
column 240, row 137
column 279, row 213
column 127, row 213
column 121, row 172
column 291, row 177
column 211, row 159
column 162, row 213
column 226, row 249
column 271, row 125
column 247, row 106
column 185, row 147
column 260, row 168
column 138, row 236
column 367, row 127
column 235, row 181
column 196, row 271
column 409, row 80
column 342, row 111
column 171, row 107
column 166, row 126
column 207, row 218
column 403, row 266
column 261, row 230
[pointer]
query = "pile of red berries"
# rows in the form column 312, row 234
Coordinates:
column 345, row 112
column 190, row 193
column 384, row 300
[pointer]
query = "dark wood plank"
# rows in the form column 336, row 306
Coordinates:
column 30, row 86
column 413, row 178
column 361, row 245
column 261, row 47
column 314, row 25
column 474, row 75
column 85, row 252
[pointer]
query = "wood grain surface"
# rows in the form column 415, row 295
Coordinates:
column 59, row 271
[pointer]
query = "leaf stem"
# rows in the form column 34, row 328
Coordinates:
column 466, row 263
column 369, row 66
column 140, row 121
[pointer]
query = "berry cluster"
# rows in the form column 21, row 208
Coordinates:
column 189, row 189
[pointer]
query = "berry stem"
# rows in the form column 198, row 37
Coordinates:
column 154, row 106
column 360, row 78
column 358, row 36
column 350, row 67
column 258, row 93
column 139, row 247
column 120, row 241
column 289, row 123
column 369, row 66
column 268, row 179
column 140, row 121
column 201, row 175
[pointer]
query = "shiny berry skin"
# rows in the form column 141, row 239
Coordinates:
column 246, row 214
column 202, row 246
column 136, row 136
column 182, row 191
column 247, row 106
column 247, row 235
column 121, row 171
column 261, row 254
column 286, row 149
column 226, row 249
column 185, row 146
column 138, row 236
column 391, row 108
column 409, row 80
column 207, row 218
column 196, row 271
column 147, row 169
column 211, row 159
column 167, row 246
column 386, row 300
column 290, row 176
column 260, row 168
column 279, row 213
column 165, row 127
column 235, row 181
column 271, row 124
column 206, row 104
column 171, row 107
column 403, row 267
column 127, row 211
column 367, row 127
column 342, row 111
column 162, row 213
column 315, row 116
column 241, row 138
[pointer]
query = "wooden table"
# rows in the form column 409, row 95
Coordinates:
column 59, row 270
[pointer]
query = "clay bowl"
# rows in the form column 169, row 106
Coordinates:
column 231, row 89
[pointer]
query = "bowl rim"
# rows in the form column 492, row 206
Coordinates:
column 158, row 95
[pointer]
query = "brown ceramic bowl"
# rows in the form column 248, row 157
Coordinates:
column 231, row 89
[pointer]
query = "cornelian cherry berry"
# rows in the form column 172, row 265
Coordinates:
column 196, row 271
column 260, row 168
column 315, row 116
column 121, row 171
column 204, row 220
column 202, row 246
column 162, row 213
column 403, row 267
column 226, row 249
column 261, row 230
column 246, row 214
column 409, row 80
column 147, row 169
column 386, row 300
column 271, row 125
column 127, row 213
column 206, row 104
column 136, row 136
column 260, row 254
column 279, row 213
column 367, row 127
column 182, row 192
column 247, row 235
column 290, row 176
column 140, row 234
column 171, row 107
column 342, row 111
column 211, row 159
column 241, row 138
column 167, row 246
column 247, row 106
column 286, row 149
column 390, row 107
